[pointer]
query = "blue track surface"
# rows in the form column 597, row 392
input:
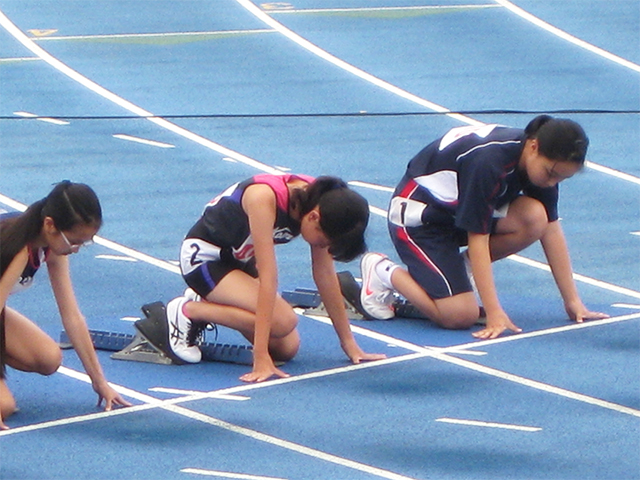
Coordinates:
column 578, row 388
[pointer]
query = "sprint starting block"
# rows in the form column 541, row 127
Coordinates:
column 136, row 348
column 312, row 303
column 149, row 342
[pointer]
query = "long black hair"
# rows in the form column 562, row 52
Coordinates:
column 68, row 204
column 344, row 215
column 559, row 139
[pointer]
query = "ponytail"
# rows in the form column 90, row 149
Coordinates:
column 559, row 139
column 344, row 215
column 68, row 204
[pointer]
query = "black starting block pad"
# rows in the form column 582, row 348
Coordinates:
column 137, row 348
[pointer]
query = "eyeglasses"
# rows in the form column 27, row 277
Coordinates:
column 75, row 246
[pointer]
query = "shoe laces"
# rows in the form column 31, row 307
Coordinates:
column 385, row 297
column 197, row 332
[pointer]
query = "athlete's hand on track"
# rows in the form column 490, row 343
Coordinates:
column 110, row 396
column 578, row 312
column 496, row 324
column 263, row 370
column 356, row 355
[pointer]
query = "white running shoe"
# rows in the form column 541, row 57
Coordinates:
column 179, row 329
column 190, row 294
column 375, row 297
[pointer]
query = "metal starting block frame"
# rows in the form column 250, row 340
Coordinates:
column 136, row 348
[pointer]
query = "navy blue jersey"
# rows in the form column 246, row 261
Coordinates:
column 462, row 178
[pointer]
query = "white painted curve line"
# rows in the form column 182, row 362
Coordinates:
column 151, row 35
column 581, row 278
column 626, row 305
column 55, row 121
column 378, row 9
column 143, row 141
column 239, row 476
column 566, row 36
column 306, row 44
column 612, row 172
column 117, row 258
column 106, row 243
column 475, row 423
column 112, row 97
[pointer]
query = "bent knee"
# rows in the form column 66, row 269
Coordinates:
column 284, row 349
column 48, row 362
column 533, row 218
column 459, row 312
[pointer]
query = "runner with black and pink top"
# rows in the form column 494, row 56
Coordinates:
column 228, row 261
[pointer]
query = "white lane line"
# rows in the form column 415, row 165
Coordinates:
column 130, row 319
column 179, row 391
column 118, row 258
column 612, row 172
column 540, row 333
column 626, row 305
column 566, row 36
column 304, row 43
column 117, row 36
column 581, row 278
column 379, row 9
column 262, row 437
column 476, row 423
column 55, row 121
column 136, row 110
column 143, row 141
column 18, row 59
column 264, row 17
column 214, row 473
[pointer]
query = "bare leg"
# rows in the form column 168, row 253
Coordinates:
column 233, row 304
column 7, row 402
column 525, row 223
column 28, row 348
column 457, row 312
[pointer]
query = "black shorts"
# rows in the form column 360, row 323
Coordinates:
column 203, row 265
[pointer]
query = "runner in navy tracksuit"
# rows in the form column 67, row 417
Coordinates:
column 492, row 188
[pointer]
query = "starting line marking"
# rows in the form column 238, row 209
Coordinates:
column 179, row 391
column 476, row 423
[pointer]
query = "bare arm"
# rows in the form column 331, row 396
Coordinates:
column 259, row 202
column 480, row 257
column 326, row 280
column 76, row 327
column 555, row 249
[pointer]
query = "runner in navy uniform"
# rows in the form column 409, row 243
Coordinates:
column 49, row 231
column 228, row 261
column 494, row 189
